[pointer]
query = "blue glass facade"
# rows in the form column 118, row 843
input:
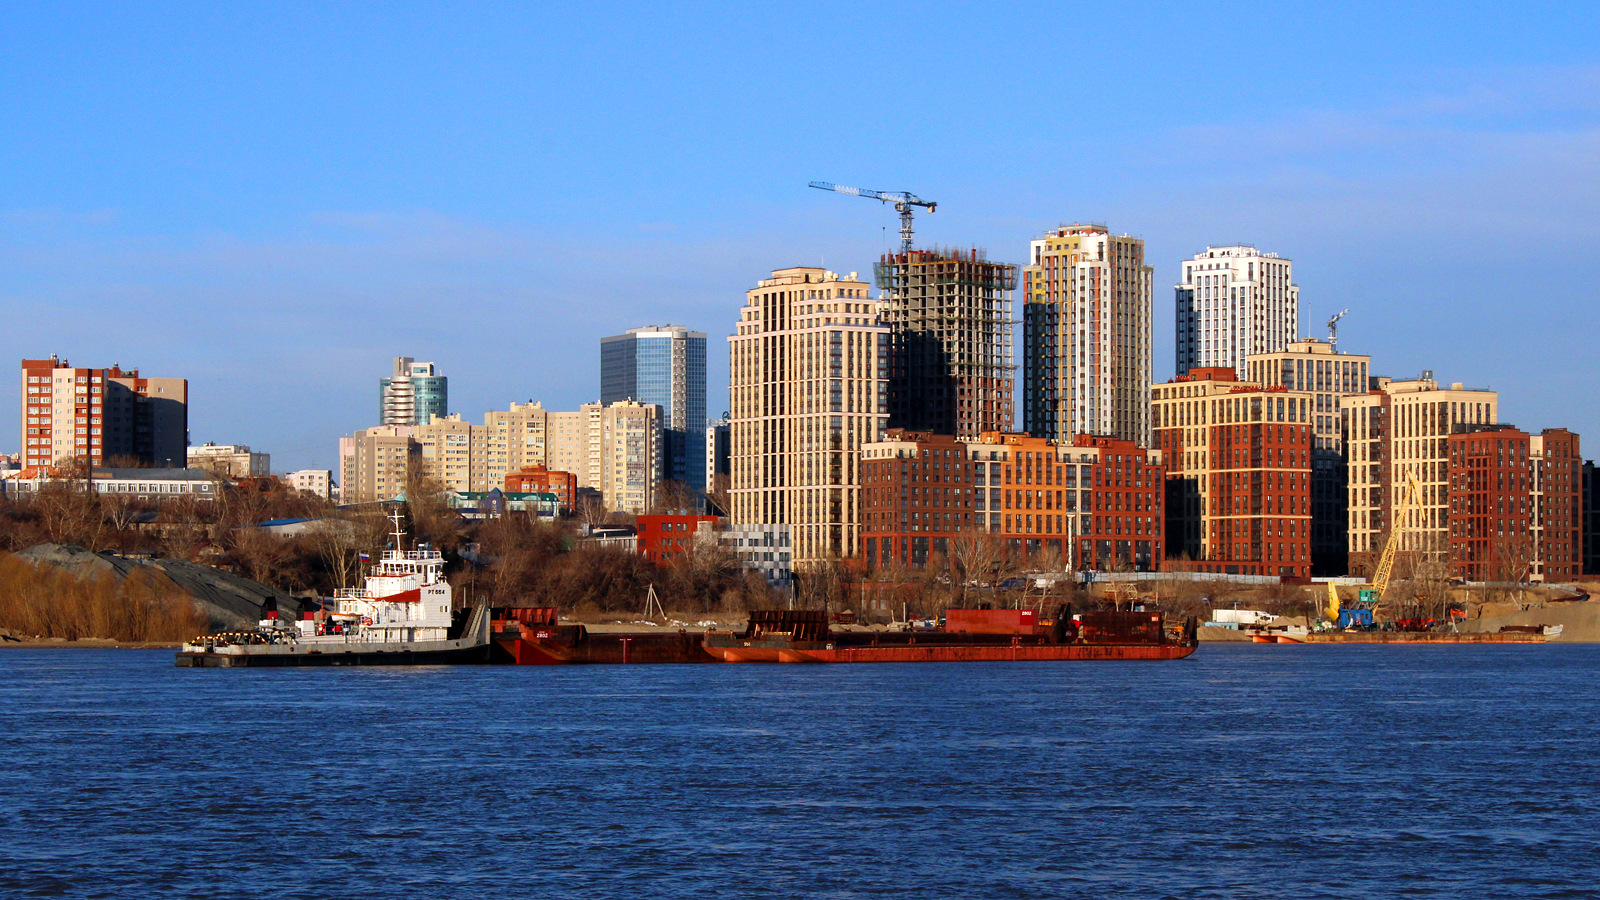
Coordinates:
column 665, row 366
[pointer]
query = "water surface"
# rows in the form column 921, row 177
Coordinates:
column 1245, row 771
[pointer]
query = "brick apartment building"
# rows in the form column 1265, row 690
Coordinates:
column 1095, row 503
column 1516, row 506
column 101, row 415
column 543, row 480
column 916, row 497
column 1239, row 474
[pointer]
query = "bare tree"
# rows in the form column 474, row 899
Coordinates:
column 1513, row 560
column 674, row 496
column 980, row 557
column 719, row 495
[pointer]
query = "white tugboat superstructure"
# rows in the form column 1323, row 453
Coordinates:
column 401, row 614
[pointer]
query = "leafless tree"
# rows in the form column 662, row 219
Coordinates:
column 674, row 496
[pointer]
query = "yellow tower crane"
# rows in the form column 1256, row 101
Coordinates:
column 1369, row 595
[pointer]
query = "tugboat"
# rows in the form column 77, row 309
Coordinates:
column 401, row 615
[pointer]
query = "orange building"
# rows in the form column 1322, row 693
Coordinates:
column 1096, row 503
column 542, row 480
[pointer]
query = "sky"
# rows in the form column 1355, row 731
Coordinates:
column 274, row 200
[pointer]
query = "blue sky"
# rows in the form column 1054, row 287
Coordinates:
column 273, row 200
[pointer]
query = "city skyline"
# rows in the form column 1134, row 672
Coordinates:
column 295, row 211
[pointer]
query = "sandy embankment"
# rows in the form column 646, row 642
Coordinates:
column 1580, row 621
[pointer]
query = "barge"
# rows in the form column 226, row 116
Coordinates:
column 804, row 636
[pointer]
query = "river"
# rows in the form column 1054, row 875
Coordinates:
column 1244, row 771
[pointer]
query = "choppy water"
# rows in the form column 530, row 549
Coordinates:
column 1246, row 771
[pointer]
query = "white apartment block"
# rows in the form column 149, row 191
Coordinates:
column 312, row 481
column 1087, row 336
column 809, row 387
column 1235, row 302
column 1403, row 428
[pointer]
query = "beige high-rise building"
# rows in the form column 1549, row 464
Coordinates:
column 1401, row 428
column 374, row 462
column 619, row 447
column 630, row 454
column 809, row 387
column 1086, row 336
column 567, row 444
column 1317, row 367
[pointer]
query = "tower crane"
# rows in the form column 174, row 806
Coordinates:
column 1333, row 329
column 902, row 204
column 1370, row 595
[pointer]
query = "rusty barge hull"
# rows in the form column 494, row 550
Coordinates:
column 920, row 653
column 1420, row 637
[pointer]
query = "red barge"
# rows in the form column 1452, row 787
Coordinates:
column 535, row 637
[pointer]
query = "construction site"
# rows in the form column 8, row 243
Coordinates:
column 950, row 323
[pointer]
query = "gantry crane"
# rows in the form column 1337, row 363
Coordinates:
column 1369, row 595
column 902, row 204
column 1333, row 329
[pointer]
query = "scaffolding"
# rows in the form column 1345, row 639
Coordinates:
column 949, row 313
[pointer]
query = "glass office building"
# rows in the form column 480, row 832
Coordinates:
column 413, row 394
column 664, row 365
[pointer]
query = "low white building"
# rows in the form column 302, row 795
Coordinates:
column 232, row 460
column 142, row 484
column 312, row 481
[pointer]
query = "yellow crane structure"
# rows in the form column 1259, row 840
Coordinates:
column 1369, row 595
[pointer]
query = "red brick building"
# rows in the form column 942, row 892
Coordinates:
column 1239, row 472
column 662, row 537
column 1096, row 503
column 916, row 495
column 538, row 479
column 1516, row 508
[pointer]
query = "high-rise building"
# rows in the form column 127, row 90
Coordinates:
column 809, row 386
column 101, row 415
column 1235, row 302
column 1086, row 335
column 950, row 333
column 413, row 395
column 664, row 365
column 1591, row 518
column 1315, row 367
column 1516, row 508
column 630, row 455
column 1402, row 428
column 1238, row 468
column 613, row 449
column 375, row 463
column 230, row 460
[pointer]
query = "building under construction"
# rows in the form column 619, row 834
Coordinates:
column 949, row 317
